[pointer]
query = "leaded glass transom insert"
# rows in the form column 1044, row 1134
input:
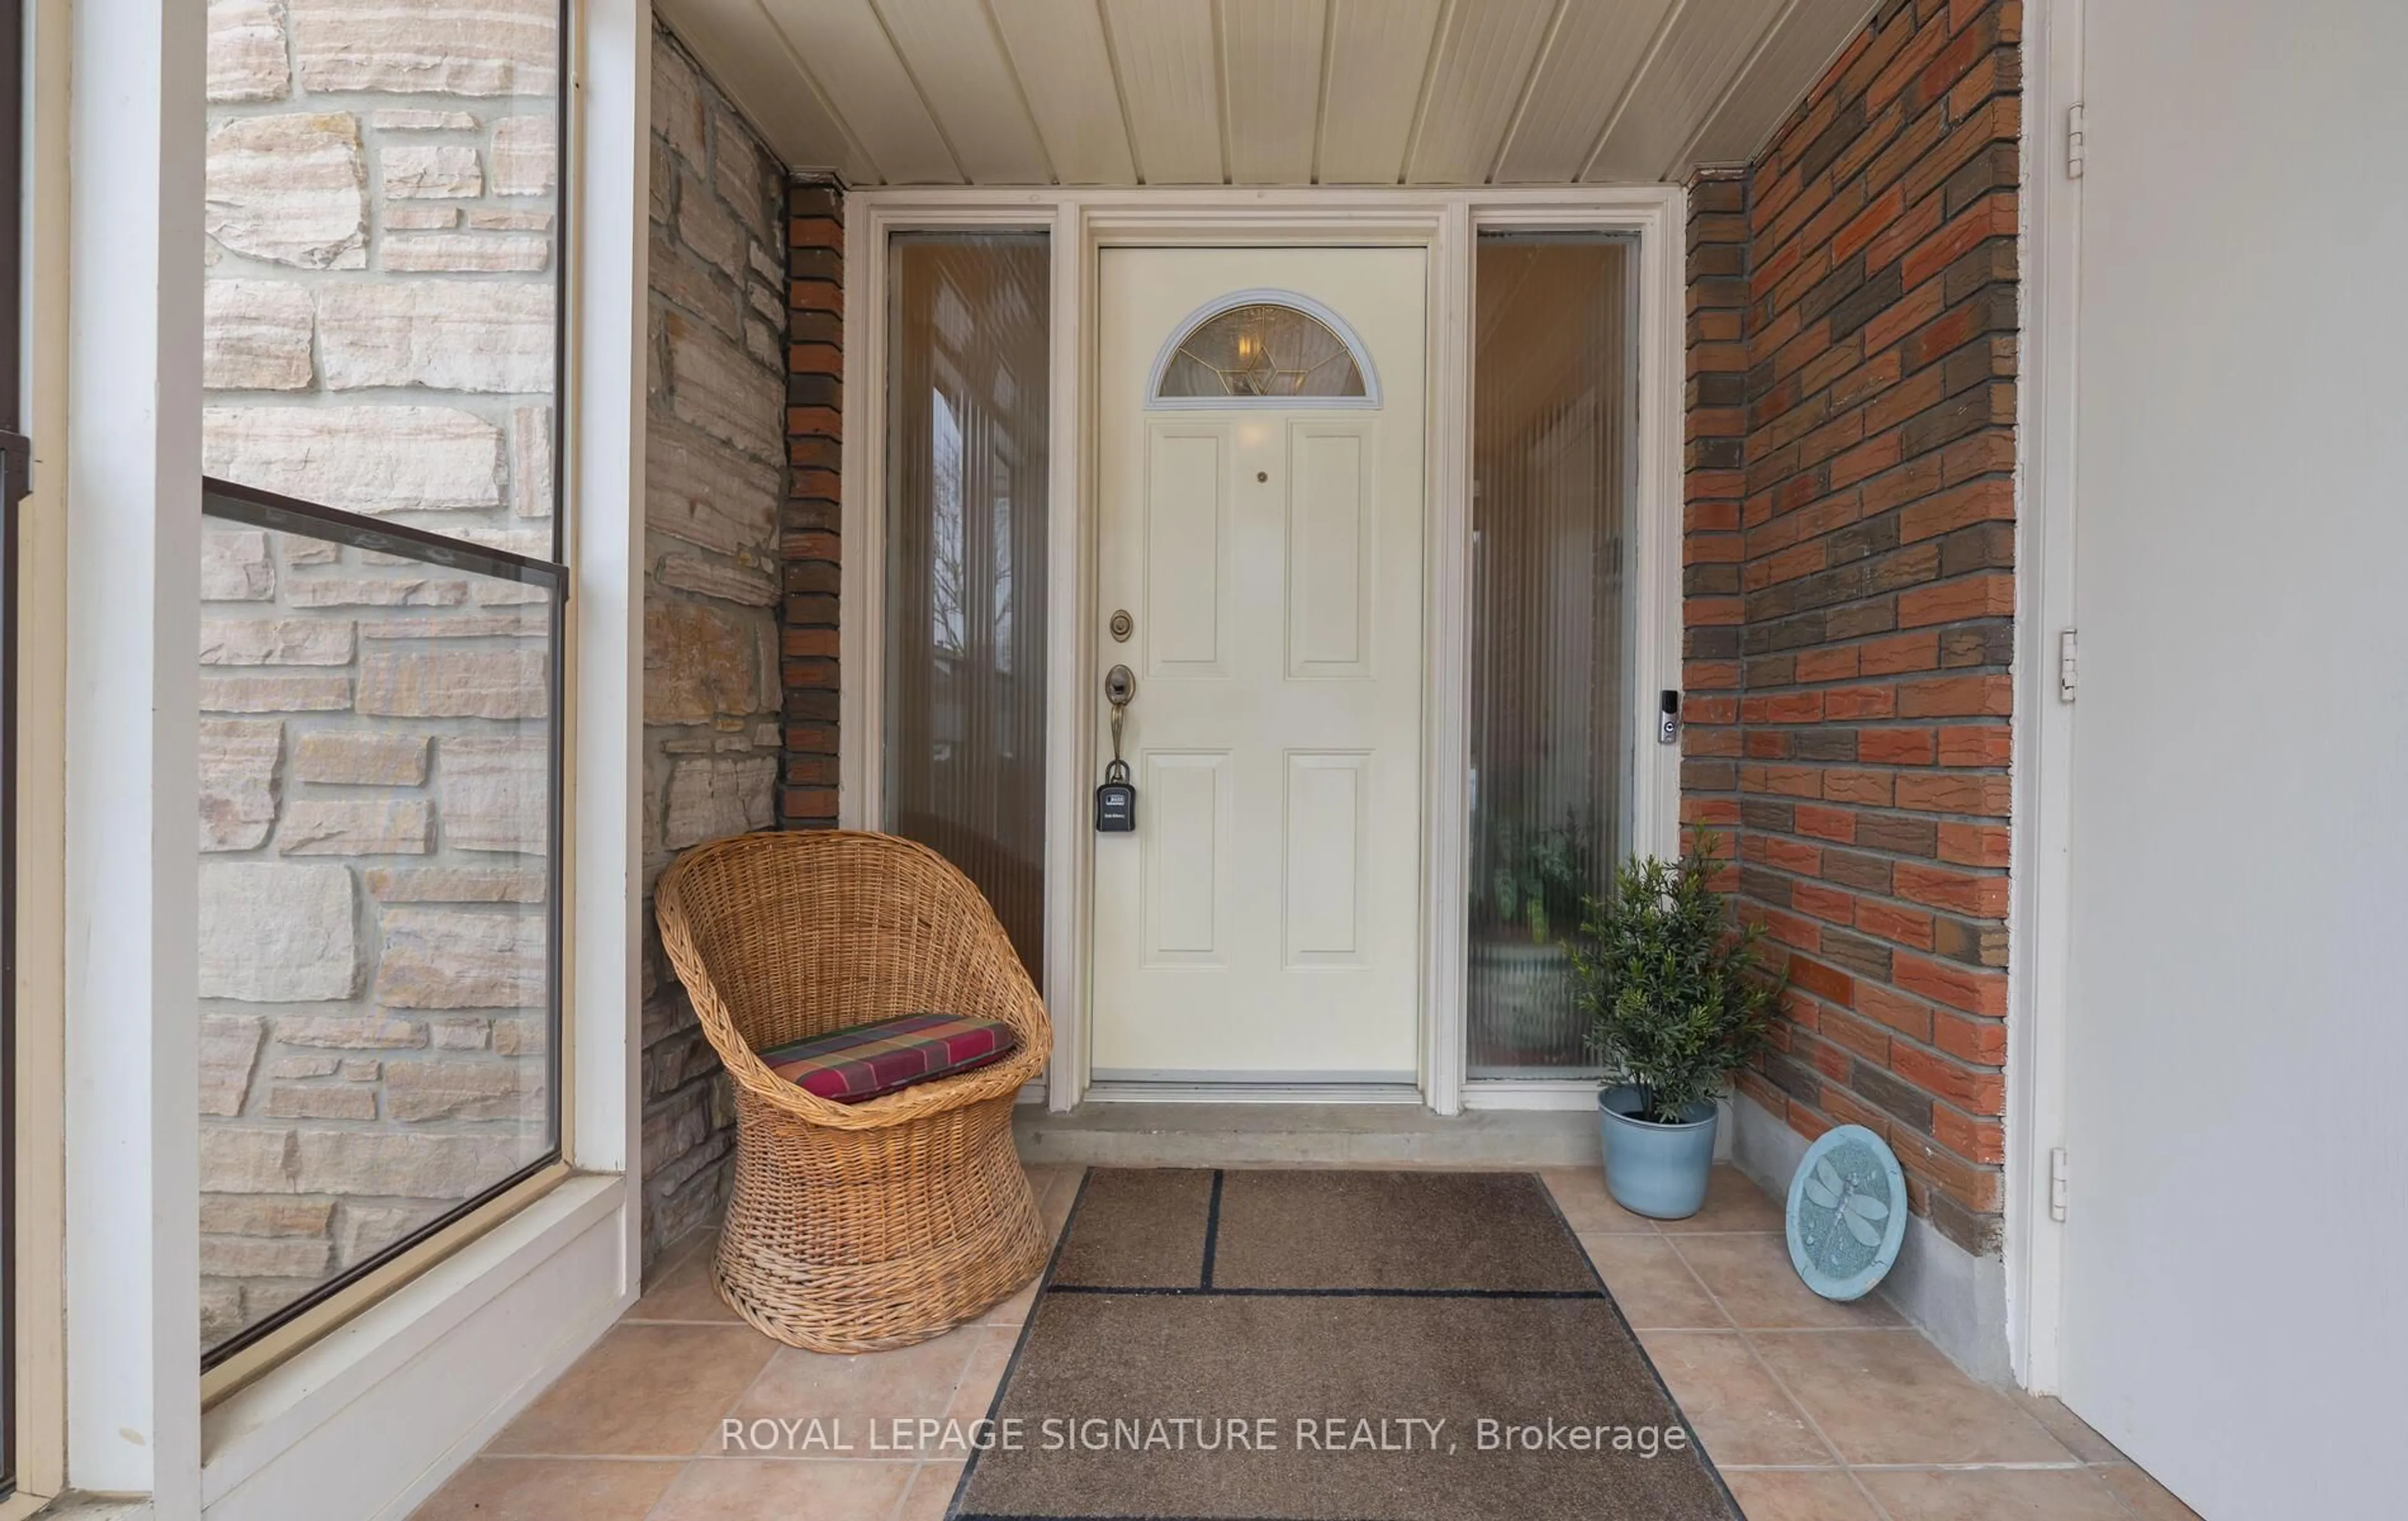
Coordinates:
column 1261, row 350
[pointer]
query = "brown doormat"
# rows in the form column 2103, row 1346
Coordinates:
column 1329, row 1346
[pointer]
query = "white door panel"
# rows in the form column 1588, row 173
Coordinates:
column 2238, row 1149
column 1262, row 921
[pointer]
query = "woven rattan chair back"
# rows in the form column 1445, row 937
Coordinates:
column 855, row 1227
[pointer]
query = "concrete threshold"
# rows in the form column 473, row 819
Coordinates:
column 1131, row 1134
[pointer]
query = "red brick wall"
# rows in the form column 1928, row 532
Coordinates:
column 814, row 407
column 1851, row 587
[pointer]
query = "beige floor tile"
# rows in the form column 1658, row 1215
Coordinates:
column 1651, row 1282
column 1589, row 1208
column 1752, row 1277
column 985, row 1374
column 784, row 1489
column 862, row 1395
column 1794, row 1495
column 1013, row 1310
column 2068, row 1427
column 685, row 1292
column 642, row 1391
column 1733, row 1202
column 1889, row 1397
column 931, row 1491
column 1992, row 1495
column 547, row 1489
column 1739, row 1411
column 2143, row 1496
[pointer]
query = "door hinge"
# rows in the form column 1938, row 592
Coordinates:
column 2069, row 664
column 2056, row 1183
column 2074, row 144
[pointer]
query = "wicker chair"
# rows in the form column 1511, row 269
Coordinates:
column 855, row 1227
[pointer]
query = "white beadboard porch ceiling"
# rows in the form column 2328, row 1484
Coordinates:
column 1264, row 91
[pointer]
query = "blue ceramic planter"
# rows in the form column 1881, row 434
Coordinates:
column 1657, row 1171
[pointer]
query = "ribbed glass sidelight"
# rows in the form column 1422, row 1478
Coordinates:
column 1552, row 394
column 965, row 679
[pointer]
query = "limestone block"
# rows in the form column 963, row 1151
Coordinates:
column 678, row 109
column 464, row 1090
column 220, row 1317
column 301, row 1066
column 495, row 794
column 439, row 47
column 361, row 757
column 458, row 1034
column 462, row 958
column 717, row 388
column 489, row 219
column 445, row 335
column 736, row 173
column 394, row 591
column 244, row 1160
column 455, row 684
column 254, row 1214
column 526, row 157
column 255, row 1256
column 698, row 663
column 256, row 336
column 519, row 1037
column 705, row 226
column 406, row 1164
column 410, row 217
column 235, row 565
column 351, row 1032
column 708, row 498
column 276, row 641
column 362, row 459
column 360, row 1070
column 717, row 578
column 423, row 120
column 435, row 171
column 464, row 625
column 366, row 1230
column 454, row 885
column 319, row 1101
column 275, row 694
column 711, row 796
column 465, row 254
column 229, row 1052
column 381, row 827
column 679, row 278
column 277, row 933
column 290, row 189
column 246, row 52
column 238, row 784
column 531, row 490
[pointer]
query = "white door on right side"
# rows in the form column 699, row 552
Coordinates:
column 2237, row 1232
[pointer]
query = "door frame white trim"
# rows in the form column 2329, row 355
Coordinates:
column 1445, row 221
column 2039, row 831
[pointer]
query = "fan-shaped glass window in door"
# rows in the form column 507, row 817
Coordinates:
column 1264, row 346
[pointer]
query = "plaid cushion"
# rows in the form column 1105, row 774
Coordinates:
column 851, row 1065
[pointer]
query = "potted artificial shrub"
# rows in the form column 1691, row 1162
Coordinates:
column 1677, row 999
column 1521, row 974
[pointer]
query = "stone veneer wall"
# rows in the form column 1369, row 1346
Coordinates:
column 714, row 479
column 379, row 338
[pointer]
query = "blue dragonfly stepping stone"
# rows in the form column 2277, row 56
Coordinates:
column 1847, row 1213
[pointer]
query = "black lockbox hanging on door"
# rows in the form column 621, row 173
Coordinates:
column 1116, row 802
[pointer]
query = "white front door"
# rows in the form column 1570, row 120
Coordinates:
column 1261, row 922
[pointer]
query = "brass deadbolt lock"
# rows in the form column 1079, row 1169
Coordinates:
column 1123, row 625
